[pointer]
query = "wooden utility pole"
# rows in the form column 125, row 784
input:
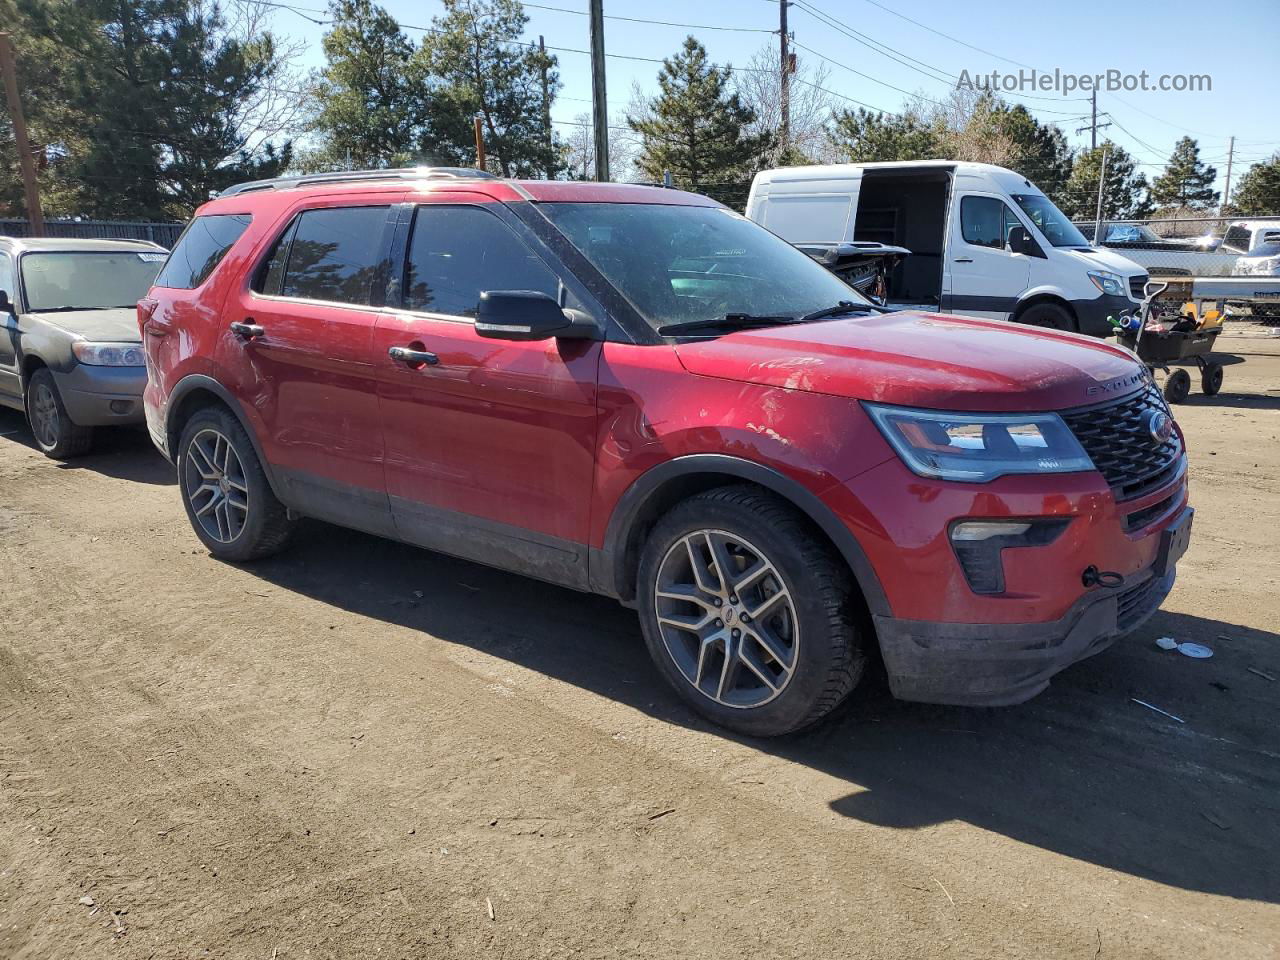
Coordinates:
column 479, row 142
column 785, row 76
column 1094, row 126
column 546, row 110
column 8, row 65
column 599, row 102
column 1226, row 190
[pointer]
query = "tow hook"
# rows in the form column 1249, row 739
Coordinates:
column 1093, row 577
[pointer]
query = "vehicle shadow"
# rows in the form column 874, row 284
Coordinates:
column 125, row 453
column 1082, row 770
column 1227, row 398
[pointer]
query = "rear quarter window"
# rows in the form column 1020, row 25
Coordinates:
column 200, row 249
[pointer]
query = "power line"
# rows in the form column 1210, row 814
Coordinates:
column 925, row 26
column 662, row 23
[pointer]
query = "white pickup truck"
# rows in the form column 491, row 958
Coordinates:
column 1171, row 258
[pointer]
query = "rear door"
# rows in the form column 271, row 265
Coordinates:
column 303, row 329
column 986, row 277
column 490, row 450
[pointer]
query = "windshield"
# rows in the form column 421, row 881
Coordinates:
column 88, row 281
column 1050, row 221
column 679, row 264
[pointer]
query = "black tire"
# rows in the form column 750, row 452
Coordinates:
column 56, row 436
column 1048, row 315
column 829, row 656
column 1211, row 378
column 266, row 525
column 1178, row 387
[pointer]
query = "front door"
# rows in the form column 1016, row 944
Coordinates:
column 490, row 444
column 986, row 276
column 10, row 381
column 303, row 334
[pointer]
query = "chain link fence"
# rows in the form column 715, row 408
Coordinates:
column 1194, row 246
column 165, row 234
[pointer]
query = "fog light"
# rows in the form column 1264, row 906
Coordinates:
column 122, row 406
column 978, row 545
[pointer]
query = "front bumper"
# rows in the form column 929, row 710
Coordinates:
column 992, row 665
column 102, row 396
column 1092, row 314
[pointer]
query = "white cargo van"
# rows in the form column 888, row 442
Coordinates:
column 984, row 240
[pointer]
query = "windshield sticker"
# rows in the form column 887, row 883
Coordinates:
column 153, row 257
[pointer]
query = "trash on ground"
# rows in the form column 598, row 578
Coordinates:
column 86, row 901
column 1196, row 651
column 1149, row 706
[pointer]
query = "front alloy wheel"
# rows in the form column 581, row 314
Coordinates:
column 726, row 618
column 748, row 613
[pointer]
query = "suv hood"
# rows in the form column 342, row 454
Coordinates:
column 924, row 360
column 117, row 325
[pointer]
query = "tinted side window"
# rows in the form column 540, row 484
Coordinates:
column 336, row 254
column 985, row 221
column 201, row 248
column 455, row 253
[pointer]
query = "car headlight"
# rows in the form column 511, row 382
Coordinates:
column 109, row 354
column 977, row 447
column 1108, row 283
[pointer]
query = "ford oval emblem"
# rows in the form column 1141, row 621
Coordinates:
column 1160, row 426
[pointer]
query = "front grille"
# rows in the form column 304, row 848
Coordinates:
column 1135, row 603
column 1140, row 518
column 1137, row 286
column 1117, row 439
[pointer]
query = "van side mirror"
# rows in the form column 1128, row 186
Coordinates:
column 6, row 305
column 527, row 315
column 1021, row 241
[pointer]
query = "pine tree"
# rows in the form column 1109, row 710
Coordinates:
column 371, row 93
column 1041, row 152
column 153, row 99
column 694, row 127
column 1258, row 194
column 1186, row 182
column 1124, row 193
column 864, row 136
column 478, row 65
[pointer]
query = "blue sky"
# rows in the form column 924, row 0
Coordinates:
column 1235, row 43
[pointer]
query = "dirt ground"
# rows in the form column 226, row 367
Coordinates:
column 360, row 749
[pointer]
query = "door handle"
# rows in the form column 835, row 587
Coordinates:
column 414, row 358
column 964, row 259
column 247, row 330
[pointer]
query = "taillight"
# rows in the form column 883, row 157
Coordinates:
column 146, row 307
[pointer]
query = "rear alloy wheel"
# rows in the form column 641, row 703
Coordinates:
column 55, row 434
column 225, row 491
column 747, row 613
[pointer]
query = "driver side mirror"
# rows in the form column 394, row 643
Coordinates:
column 528, row 315
column 1021, row 241
column 6, row 305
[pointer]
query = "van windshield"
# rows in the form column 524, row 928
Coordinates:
column 1049, row 220
column 680, row 264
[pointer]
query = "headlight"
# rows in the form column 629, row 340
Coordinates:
column 977, row 447
column 1108, row 283
column 109, row 354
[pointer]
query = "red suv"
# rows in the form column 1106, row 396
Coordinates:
column 638, row 392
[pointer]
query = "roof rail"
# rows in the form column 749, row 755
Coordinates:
column 350, row 176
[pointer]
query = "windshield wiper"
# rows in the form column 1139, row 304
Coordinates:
column 729, row 320
column 844, row 306
column 66, row 309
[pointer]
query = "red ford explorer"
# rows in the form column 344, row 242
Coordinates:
column 637, row 392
